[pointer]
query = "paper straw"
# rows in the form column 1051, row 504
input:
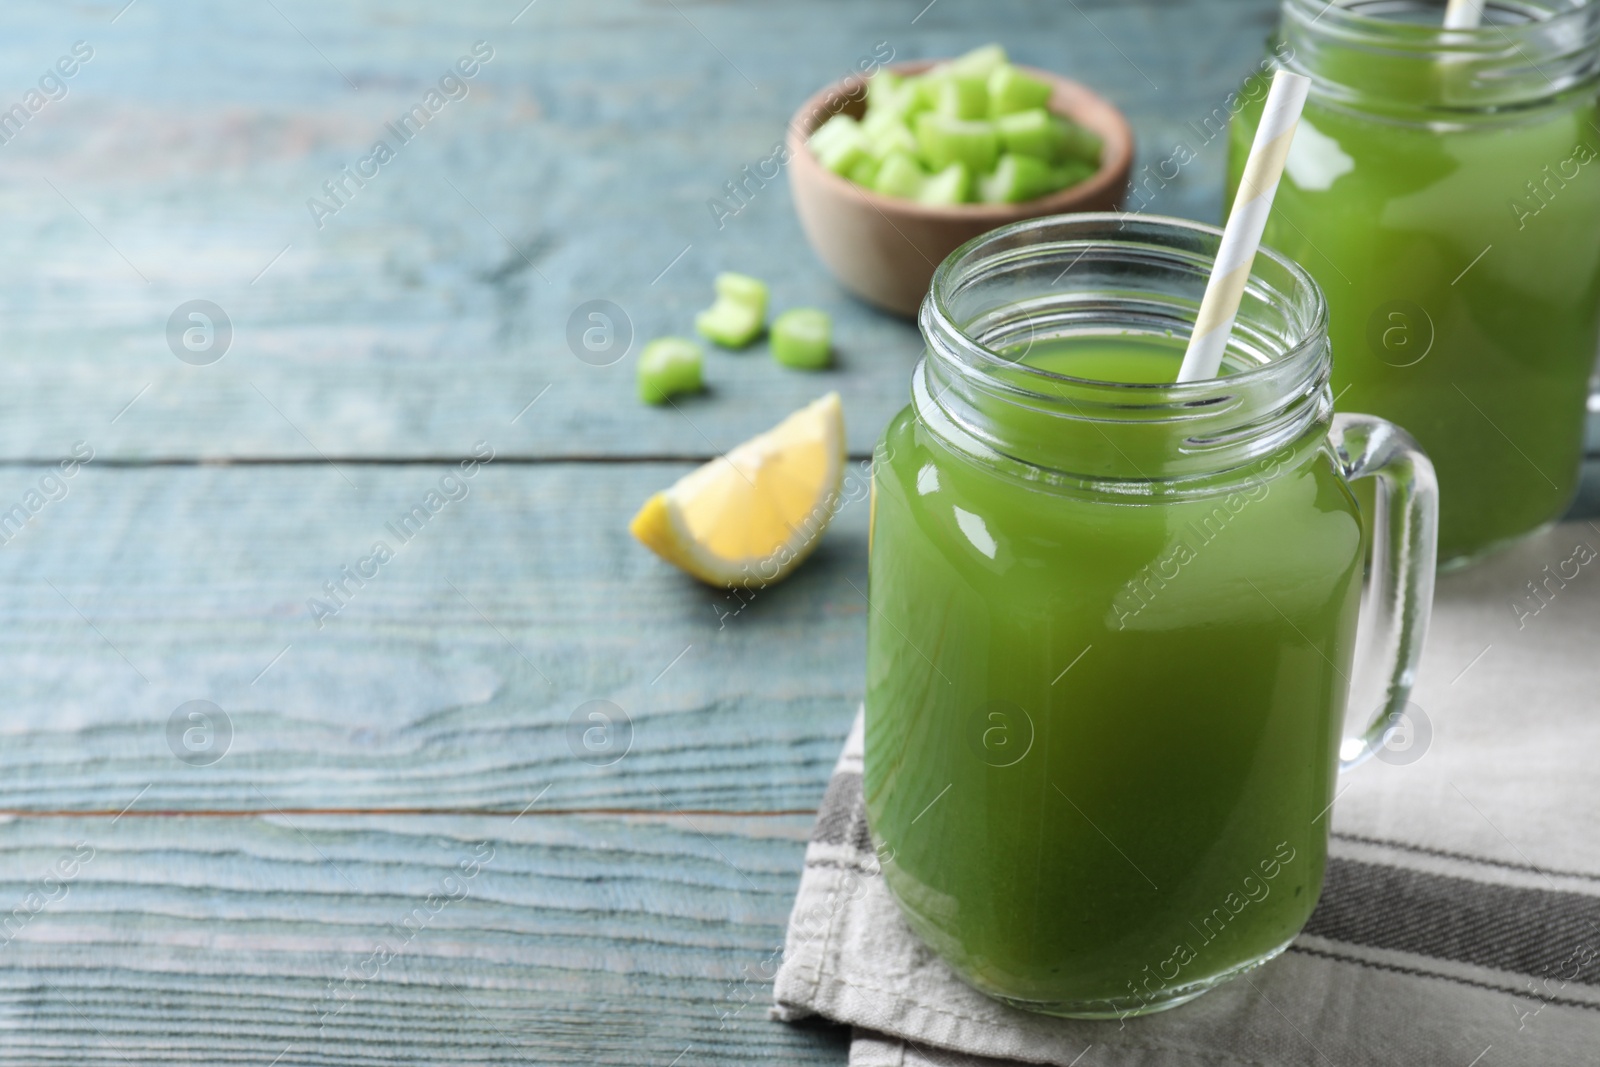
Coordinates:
column 1242, row 236
column 1463, row 14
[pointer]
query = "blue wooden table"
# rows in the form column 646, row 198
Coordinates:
column 267, row 800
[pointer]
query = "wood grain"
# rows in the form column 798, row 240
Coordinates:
column 434, row 305
column 447, row 680
column 571, row 940
column 423, row 317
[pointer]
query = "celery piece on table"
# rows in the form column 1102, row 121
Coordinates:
column 739, row 312
column 802, row 338
column 729, row 324
column 668, row 366
column 730, row 285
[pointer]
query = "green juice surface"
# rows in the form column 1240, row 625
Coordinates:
column 1465, row 304
column 1134, row 359
column 1100, row 735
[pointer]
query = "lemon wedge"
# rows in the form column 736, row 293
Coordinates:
column 750, row 517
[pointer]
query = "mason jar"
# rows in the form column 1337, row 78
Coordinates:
column 1444, row 190
column 1112, row 621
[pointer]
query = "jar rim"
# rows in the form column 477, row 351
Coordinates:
column 1399, row 35
column 1363, row 58
column 957, row 266
column 1139, row 274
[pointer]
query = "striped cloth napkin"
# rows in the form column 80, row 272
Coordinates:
column 1460, row 921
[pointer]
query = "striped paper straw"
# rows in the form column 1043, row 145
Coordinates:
column 1242, row 236
column 1463, row 14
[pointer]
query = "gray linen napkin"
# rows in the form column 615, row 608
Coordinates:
column 1459, row 926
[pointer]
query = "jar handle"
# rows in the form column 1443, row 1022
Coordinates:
column 1404, row 528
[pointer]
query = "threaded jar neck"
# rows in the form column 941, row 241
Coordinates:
column 1394, row 59
column 1083, row 277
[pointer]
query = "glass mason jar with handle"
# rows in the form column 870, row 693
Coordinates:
column 1444, row 189
column 1111, row 626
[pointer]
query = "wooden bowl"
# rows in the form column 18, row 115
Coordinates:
column 883, row 248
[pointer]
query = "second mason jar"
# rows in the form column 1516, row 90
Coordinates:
column 1444, row 188
column 1112, row 623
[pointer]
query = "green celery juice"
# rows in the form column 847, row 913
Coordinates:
column 1101, row 735
column 1459, row 248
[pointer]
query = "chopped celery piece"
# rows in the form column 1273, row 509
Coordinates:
column 883, row 90
column 978, row 63
column 1071, row 173
column 942, row 141
column 729, row 323
column 1079, row 142
column 865, row 170
column 1039, row 134
column 802, row 338
column 963, row 98
column 668, row 366
column 891, row 137
column 836, row 127
column 839, row 143
column 736, row 317
column 900, row 175
column 1029, row 133
column 1010, row 90
column 743, row 289
column 886, row 132
column 952, row 185
column 877, row 120
column 925, row 89
column 1017, row 178
column 899, row 99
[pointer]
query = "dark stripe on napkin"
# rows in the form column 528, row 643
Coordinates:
column 1506, row 928
column 842, row 819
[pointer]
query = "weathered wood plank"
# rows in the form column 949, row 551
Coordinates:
column 548, row 940
column 436, row 301
column 447, row 679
